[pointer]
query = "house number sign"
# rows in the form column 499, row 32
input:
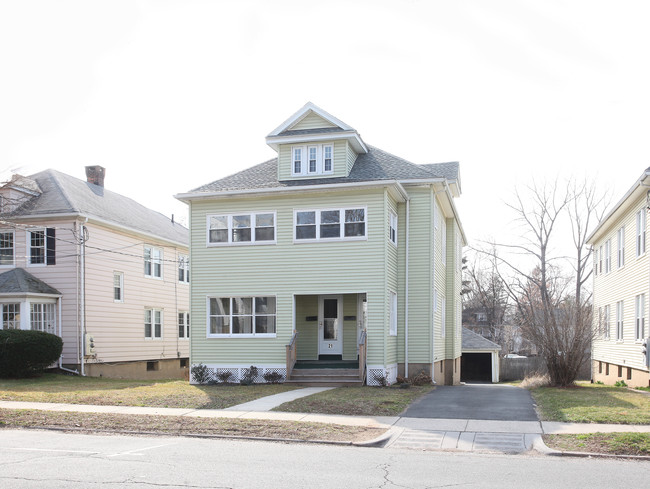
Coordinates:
column 329, row 345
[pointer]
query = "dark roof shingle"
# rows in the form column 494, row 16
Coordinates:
column 18, row 281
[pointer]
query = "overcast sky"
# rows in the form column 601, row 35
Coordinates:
column 170, row 95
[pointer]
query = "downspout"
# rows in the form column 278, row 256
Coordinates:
column 61, row 367
column 406, row 293
column 83, row 298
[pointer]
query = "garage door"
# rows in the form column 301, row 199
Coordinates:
column 476, row 367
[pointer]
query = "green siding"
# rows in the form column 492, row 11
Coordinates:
column 285, row 269
column 312, row 121
column 339, row 163
column 440, row 283
column 351, row 157
column 350, row 308
column 307, row 347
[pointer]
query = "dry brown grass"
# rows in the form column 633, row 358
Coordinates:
column 534, row 381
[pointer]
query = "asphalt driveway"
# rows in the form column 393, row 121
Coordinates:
column 475, row 401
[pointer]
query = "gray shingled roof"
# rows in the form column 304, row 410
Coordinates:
column 18, row 281
column 474, row 341
column 372, row 166
column 64, row 194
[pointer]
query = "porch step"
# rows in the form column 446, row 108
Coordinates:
column 326, row 377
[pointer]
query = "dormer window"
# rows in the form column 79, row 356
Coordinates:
column 312, row 160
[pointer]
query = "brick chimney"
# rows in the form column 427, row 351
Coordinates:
column 95, row 174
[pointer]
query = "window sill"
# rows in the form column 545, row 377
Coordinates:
column 329, row 240
column 153, row 278
column 269, row 335
column 152, row 339
column 244, row 243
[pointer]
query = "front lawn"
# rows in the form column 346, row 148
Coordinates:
column 58, row 388
column 610, row 443
column 592, row 403
column 357, row 401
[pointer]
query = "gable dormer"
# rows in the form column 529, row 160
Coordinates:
column 16, row 192
column 314, row 144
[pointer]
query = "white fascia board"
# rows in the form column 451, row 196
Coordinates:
column 450, row 200
column 102, row 222
column 352, row 136
column 302, row 112
column 328, row 187
column 620, row 207
column 25, row 295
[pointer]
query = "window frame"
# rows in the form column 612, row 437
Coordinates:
column 29, row 247
column 183, row 325
column 13, row 247
column 153, row 336
column 639, row 318
column 40, row 313
column 608, row 256
column 619, row 321
column 6, row 312
column 620, row 247
column 392, row 316
column 184, row 269
column 392, row 228
column 153, row 260
column 253, row 227
column 120, row 286
column 607, row 334
column 304, row 163
column 231, row 315
column 342, row 222
column 640, row 233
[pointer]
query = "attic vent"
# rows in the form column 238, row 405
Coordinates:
column 95, row 175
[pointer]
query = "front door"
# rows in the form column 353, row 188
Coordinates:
column 330, row 325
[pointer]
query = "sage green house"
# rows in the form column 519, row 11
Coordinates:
column 333, row 254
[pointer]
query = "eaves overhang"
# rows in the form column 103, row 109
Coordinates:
column 351, row 136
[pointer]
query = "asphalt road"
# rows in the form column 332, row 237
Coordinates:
column 41, row 459
column 475, row 401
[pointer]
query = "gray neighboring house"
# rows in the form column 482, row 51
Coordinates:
column 480, row 360
column 108, row 275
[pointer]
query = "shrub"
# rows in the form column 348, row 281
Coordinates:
column 250, row 374
column 620, row 383
column 533, row 381
column 202, row 374
column 422, row 378
column 380, row 379
column 224, row 377
column 273, row 377
column 24, row 353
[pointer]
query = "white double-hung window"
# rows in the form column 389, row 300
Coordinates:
column 639, row 309
column 330, row 224
column 6, row 248
column 640, row 232
column 313, row 159
column 153, row 260
column 619, row 321
column 245, row 228
column 152, row 324
column 620, row 250
column 392, row 230
column 241, row 316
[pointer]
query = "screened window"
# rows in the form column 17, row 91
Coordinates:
column 37, row 247
column 326, row 224
column 184, row 325
column 245, row 228
column 392, row 233
column 312, row 160
column 620, row 253
column 184, row 269
column 11, row 316
column 6, row 248
column 43, row 317
column 152, row 324
column 297, row 161
column 639, row 326
column 153, row 262
column 118, row 287
column 619, row 320
column 242, row 316
column 640, row 232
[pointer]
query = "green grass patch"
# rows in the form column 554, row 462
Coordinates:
column 592, row 403
column 58, row 388
column 609, row 443
column 646, row 389
column 357, row 401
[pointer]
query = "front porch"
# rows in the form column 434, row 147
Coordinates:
column 328, row 346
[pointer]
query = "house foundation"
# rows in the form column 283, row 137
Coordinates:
column 610, row 373
column 173, row 368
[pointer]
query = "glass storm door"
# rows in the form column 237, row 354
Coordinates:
column 330, row 325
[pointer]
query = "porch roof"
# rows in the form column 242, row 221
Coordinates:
column 19, row 282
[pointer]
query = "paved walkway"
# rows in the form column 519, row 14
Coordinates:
column 269, row 402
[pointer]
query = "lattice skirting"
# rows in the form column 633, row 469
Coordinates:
column 375, row 374
column 219, row 373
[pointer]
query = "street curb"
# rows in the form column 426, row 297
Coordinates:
column 380, row 441
column 544, row 449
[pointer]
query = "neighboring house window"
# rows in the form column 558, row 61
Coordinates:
column 393, row 314
column 393, row 228
column 600, row 259
column 153, row 262
column 42, row 246
column 184, row 269
column 640, row 232
column 620, row 250
column 639, row 327
column 184, row 325
column 606, row 322
column 312, row 160
column 241, row 316
column 118, row 286
column 326, row 224
column 244, row 228
column 481, row 316
column 600, row 320
column 619, row 320
column 608, row 255
column 152, row 324
column 11, row 316
column 43, row 317
column 444, row 241
column 6, row 248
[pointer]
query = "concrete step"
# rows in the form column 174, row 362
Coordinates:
column 325, row 382
column 324, row 371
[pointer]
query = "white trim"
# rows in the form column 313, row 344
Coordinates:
column 13, row 246
column 392, row 313
column 158, row 260
column 303, row 112
column 342, row 222
column 392, row 225
column 305, row 168
column 153, row 336
column 28, row 247
column 121, row 286
column 253, row 242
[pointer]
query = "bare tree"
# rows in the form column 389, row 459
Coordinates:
column 552, row 308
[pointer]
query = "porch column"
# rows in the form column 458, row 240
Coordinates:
column 24, row 314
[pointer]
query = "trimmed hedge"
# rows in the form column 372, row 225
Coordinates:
column 24, row 353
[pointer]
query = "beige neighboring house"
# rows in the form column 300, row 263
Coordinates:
column 105, row 273
column 622, row 290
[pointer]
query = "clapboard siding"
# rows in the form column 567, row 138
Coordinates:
column 312, row 121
